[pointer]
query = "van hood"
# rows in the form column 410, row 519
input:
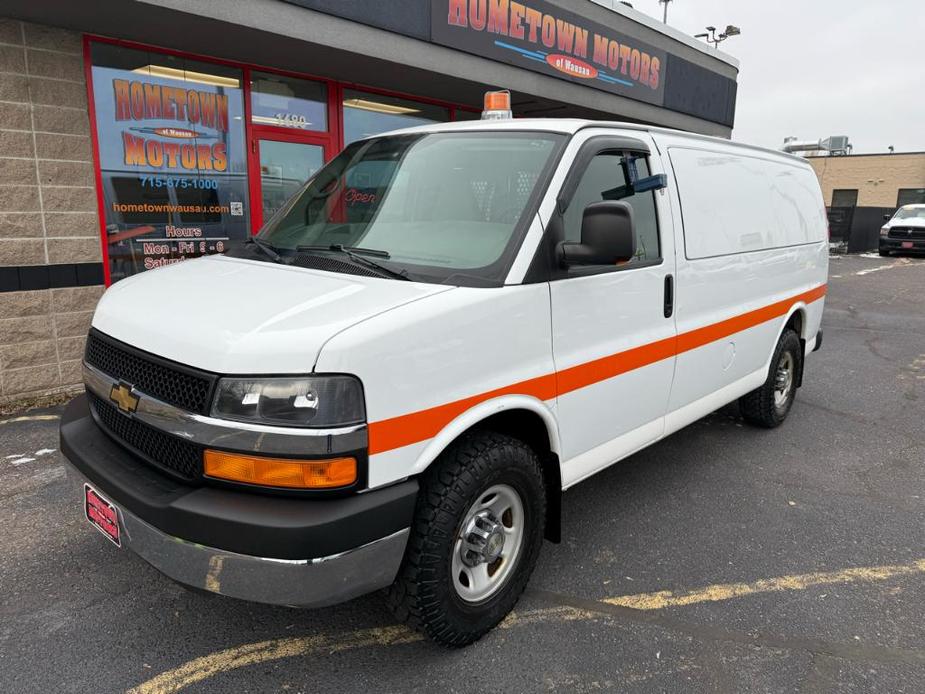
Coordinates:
column 236, row 316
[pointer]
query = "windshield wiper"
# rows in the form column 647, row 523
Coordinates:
column 357, row 255
column 265, row 247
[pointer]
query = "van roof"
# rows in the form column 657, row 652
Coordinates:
column 572, row 125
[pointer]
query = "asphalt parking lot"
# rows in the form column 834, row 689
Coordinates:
column 722, row 559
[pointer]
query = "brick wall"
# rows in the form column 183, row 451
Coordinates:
column 48, row 207
column 877, row 178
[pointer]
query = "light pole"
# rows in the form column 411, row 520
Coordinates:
column 712, row 37
column 664, row 10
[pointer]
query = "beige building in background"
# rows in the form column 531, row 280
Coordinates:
column 880, row 180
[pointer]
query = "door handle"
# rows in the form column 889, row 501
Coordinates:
column 669, row 296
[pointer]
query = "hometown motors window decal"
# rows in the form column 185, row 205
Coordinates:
column 172, row 156
column 544, row 38
column 148, row 101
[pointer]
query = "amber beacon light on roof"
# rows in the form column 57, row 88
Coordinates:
column 497, row 105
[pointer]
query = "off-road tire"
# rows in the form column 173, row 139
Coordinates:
column 758, row 407
column 423, row 595
column 884, row 253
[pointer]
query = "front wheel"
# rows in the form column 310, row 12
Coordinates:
column 769, row 405
column 475, row 538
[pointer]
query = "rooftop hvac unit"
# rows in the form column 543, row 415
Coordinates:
column 834, row 145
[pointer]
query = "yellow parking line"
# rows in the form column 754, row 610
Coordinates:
column 250, row 654
column 726, row 591
column 263, row 651
column 207, row 666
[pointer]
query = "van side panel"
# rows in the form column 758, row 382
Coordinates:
column 754, row 235
column 739, row 203
column 714, row 290
column 426, row 364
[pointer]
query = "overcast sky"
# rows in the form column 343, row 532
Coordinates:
column 814, row 68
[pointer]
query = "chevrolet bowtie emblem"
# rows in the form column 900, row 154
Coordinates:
column 122, row 395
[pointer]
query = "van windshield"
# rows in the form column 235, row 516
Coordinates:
column 436, row 206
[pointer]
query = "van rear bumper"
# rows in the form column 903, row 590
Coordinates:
column 271, row 549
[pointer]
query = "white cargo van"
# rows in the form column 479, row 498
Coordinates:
column 446, row 328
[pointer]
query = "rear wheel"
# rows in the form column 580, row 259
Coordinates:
column 769, row 405
column 475, row 538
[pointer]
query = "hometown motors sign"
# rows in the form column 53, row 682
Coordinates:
column 541, row 37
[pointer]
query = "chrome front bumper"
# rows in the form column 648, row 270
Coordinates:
column 294, row 582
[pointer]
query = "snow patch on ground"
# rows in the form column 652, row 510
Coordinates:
column 902, row 262
column 18, row 459
column 874, row 269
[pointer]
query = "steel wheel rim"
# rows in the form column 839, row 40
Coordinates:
column 477, row 573
column 783, row 380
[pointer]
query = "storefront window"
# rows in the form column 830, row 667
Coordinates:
column 288, row 102
column 368, row 114
column 172, row 156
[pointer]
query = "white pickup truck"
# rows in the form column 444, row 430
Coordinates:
column 903, row 231
column 442, row 331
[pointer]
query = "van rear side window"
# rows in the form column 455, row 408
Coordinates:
column 737, row 204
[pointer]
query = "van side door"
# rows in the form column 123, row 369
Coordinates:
column 752, row 243
column 613, row 326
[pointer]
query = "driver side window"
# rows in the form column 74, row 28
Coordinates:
column 599, row 182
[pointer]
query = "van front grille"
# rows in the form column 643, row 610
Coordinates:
column 174, row 455
column 178, row 385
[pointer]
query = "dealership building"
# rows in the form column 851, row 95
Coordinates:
column 138, row 133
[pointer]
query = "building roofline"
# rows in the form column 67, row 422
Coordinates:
column 866, row 154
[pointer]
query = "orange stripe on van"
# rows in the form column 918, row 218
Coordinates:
column 388, row 434
column 717, row 331
column 406, row 429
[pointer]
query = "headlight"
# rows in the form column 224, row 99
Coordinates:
column 305, row 401
column 884, row 231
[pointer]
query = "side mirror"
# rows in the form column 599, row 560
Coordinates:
column 887, row 217
column 608, row 236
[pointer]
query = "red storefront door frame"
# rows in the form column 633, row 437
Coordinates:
column 329, row 140
column 255, row 182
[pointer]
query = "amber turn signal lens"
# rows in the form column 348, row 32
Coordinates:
column 280, row 472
